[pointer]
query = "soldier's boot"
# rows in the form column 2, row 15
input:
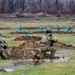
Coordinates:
column 52, row 54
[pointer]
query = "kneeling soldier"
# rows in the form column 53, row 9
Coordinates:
column 47, row 43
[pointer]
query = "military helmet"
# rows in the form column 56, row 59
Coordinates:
column 48, row 30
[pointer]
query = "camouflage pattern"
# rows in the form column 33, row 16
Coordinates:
column 47, row 44
column 3, row 46
column 47, row 49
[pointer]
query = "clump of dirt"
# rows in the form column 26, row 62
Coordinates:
column 28, row 50
column 28, row 38
column 62, row 45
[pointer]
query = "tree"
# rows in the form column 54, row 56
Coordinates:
column 71, row 7
column 58, row 8
column 2, row 6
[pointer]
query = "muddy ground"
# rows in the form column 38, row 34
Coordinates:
column 29, row 63
column 25, row 54
column 30, row 48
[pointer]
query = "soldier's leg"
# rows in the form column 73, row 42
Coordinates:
column 1, row 54
column 53, row 50
column 43, row 52
column 43, row 49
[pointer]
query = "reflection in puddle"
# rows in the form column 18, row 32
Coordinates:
column 61, row 60
column 57, row 60
column 24, row 64
column 21, row 64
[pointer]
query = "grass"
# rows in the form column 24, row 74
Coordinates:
column 47, row 68
column 66, row 38
column 13, row 23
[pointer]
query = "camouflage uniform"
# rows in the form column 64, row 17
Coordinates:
column 3, row 46
column 47, row 44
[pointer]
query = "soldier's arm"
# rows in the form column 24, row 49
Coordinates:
column 5, row 44
column 54, row 39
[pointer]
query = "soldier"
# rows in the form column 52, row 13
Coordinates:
column 47, row 43
column 3, row 46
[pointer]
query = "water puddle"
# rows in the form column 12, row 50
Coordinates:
column 57, row 60
column 24, row 64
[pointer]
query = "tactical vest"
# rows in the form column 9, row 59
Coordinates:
column 49, row 40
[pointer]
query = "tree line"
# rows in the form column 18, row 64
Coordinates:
column 36, row 6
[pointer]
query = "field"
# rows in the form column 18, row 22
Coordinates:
column 67, row 67
column 13, row 23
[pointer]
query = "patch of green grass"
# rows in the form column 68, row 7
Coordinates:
column 49, row 68
column 11, row 42
column 66, row 38
column 66, row 68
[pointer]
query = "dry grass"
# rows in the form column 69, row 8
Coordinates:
column 15, row 22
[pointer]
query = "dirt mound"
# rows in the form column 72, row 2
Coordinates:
column 28, row 50
column 21, row 53
column 18, row 32
column 62, row 45
column 38, row 32
column 29, row 38
column 35, row 42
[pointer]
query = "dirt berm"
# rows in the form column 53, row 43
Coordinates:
column 38, row 32
column 30, row 48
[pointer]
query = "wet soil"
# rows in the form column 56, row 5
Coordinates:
column 25, row 54
column 29, row 49
column 26, row 38
column 24, row 64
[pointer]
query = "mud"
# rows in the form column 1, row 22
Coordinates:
column 62, row 45
column 29, row 49
column 24, row 64
column 25, row 54
column 29, row 38
column 35, row 42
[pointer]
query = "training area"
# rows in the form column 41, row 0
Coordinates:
column 24, row 44
column 37, row 37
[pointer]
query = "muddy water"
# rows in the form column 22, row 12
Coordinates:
column 22, row 64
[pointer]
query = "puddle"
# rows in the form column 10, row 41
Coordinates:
column 56, row 60
column 61, row 60
column 24, row 64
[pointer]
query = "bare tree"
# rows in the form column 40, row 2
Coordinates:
column 57, row 7
column 71, row 7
